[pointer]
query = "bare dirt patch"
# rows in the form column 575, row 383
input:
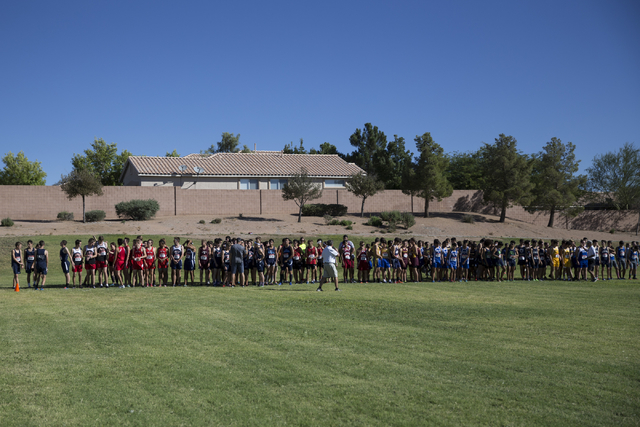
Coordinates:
column 439, row 225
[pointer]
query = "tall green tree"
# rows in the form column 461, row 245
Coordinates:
column 390, row 164
column 615, row 177
column 555, row 184
column 301, row 189
column 103, row 161
column 326, row 148
column 368, row 142
column 174, row 153
column 83, row 183
column 228, row 144
column 463, row 170
column 363, row 186
column 292, row 149
column 18, row 170
column 506, row 174
column 426, row 176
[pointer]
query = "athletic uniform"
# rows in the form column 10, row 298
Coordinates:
column 312, row 254
column 297, row 259
column 363, row 261
column 437, row 257
column 522, row 260
column 64, row 260
column 15, row 264
column 90, row 261
column 176, row 254
column 203, row 258
column 189, row 259
column 76, row 255
column 101, row 259
column 583, row 257
column 621, row 253
column 163, row 258
column 30, row 256
column 347, row 262
column 41, row 262
column 121, row 257
column 404, row 260
column 464, row 258
column 258, row 260
column 512, row 257
column 287, row 262
column 271, row 257
column 139, row 256
column 453, row 258
column 150, row 259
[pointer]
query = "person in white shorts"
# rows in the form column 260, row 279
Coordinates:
column 329, row 255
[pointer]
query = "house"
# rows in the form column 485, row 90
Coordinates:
column 265, row 170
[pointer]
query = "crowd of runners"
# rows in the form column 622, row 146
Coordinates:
column 236, row 262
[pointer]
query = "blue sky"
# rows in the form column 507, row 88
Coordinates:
column 156, row 76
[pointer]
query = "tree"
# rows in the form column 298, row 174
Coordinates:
column 426, row 178
column 326, row 148
column 103, row 161
column 291, row 149
column 228, row 144
column 19, row 170
column 301, row 189
column 368, row 143
column 506, row 174
column 172, row 154
column 555, row 186
column 616, row 176
column 463, row 170
column 245, row 149
column 363, row 186
column 390, row 164
column 81, row 182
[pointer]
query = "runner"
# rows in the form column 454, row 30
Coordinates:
column 150, row 264
column 42, row 264
column 138, row 255
column 312, row 262
column 65, row 257
column 177, row 253
column 120, row 262
column 204, row 262
column 90, row 263
column 16, row 263
column 30, row 258
column 101, row 248
column 363, row 263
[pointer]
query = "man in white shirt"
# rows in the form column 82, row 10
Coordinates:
column 329, row 255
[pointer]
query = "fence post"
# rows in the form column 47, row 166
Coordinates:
column 260, row 202
column 175, row 201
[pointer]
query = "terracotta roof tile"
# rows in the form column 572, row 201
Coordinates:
column 247, row 164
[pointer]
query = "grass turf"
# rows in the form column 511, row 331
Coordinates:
column 549, row 353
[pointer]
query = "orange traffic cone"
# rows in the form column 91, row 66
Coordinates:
column 17, row 287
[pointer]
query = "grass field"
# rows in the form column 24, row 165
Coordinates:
column 550, row 353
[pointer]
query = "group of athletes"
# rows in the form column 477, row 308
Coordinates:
column 120, row 264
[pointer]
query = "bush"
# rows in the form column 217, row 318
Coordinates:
column 612, row 231
column 321, row 209
column 334, row 222
column 408, row 220
column 392, row 218
column 349, row 227
column 201, row 221
column 137, row 210
column 327, row 219
column 65, row 216
column 374, row 221
column 6, row 222
column 216, row 221
column 93, row 216
column 346, row 223
column 468, row 219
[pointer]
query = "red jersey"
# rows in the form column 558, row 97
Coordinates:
column 297, row 254
column 312, row 254
column 121, row 255
column 163, row 260
column 151, row 256
column 138, row 258
column 203, row 254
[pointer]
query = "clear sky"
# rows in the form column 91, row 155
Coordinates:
column 154, row 76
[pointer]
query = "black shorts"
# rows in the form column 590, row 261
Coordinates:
column 16, row 267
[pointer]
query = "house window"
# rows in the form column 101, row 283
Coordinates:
column 277, row 184
column 334, row 183
column 248, row 184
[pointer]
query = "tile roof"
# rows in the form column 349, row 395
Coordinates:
column 272, row 163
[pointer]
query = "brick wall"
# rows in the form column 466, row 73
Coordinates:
column 44, row 203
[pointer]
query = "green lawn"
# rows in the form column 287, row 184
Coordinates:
column 549, row 353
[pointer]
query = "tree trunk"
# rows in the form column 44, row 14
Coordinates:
column 503, row 213
column 552, row 214
column 84, row 219
column 426, row 207
column 300, row 214
column 362, row 208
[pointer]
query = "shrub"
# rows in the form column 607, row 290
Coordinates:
column 216, row 221
column 349, row 227
column 408, row 220
column 612, row 231
column 469, row 219
column 201, row 221
column 321, row 209
column 93, row 216
column 392, row 218
column 327, row 219
column 334, row 222
column 346, row 223
column 6, row 222
column 65, row 216
column 374, row 221
column 138, row 210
